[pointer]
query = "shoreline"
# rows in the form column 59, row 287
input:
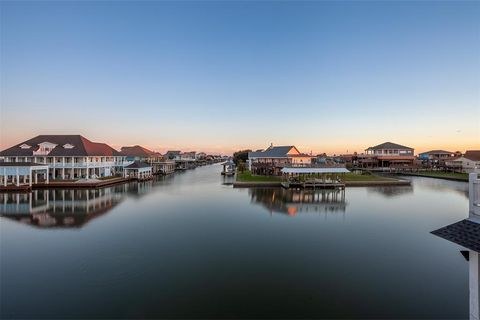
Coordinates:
column 66, row 185
column 433, row 177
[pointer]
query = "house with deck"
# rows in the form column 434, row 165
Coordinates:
column 389, row 154
column 156, row 160
column 271, row 160
column 66, row 156
column 435, row 158
column 469, row 162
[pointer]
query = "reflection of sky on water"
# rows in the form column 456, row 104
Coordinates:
column 440, row 185
column 189, row 246
column 390, row 191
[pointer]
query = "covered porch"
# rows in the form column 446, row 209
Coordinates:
column 313, row 177
column 138, row 170
column 19, row 174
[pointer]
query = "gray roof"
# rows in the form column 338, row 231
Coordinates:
column 272, row 152
column 388, row 145
column 138, row 165
column 465, row 233
column 437, row 152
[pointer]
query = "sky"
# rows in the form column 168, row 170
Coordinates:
column 219, row 76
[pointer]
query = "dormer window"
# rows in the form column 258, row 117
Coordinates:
column 68, row 146
column 44, row 148
column 25, row 146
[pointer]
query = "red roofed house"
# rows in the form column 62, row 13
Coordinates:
column 67, row 156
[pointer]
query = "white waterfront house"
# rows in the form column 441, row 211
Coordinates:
column 67, row 156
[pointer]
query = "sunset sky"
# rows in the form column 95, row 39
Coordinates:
column 217, row 76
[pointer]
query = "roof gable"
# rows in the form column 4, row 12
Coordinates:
column 389, row 145
column 137, row 151
column 275, row 152
column 437, row 152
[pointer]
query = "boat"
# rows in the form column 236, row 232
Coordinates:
column 228, row 168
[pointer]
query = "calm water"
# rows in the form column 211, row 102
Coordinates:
column 190, row 245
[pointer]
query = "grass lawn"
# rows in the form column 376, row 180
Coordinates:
column 441, row 174
column 364, row 177
column 247, row 176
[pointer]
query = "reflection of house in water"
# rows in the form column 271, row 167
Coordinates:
column 466, row 233
column 58, row 208
column 390, row 191
column 70, row 208
column 66, row 208
column 292, row 202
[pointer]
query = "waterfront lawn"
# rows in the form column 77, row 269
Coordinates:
column 247, row 176
column 442, row 174
column 364, row 177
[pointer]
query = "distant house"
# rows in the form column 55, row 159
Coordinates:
column 173, row 155
column 201, row 156
column 389, row 154
column 140, row 153
column 67, row 156
column 271, row 160
column 436, row 155
column 469, row 162
column 188, row 156
column 154, row 159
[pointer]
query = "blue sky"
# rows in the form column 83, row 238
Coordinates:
column 220, row 76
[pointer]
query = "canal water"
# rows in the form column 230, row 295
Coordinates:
column 189, row 245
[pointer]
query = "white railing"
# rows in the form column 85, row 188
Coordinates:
column 60, row 165
column 474, row 195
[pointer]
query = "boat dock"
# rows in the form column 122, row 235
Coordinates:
column 313, row 184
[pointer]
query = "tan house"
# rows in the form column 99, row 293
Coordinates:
column 271, row 160
column 389, row 154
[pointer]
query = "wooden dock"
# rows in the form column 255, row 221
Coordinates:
column 312, row 184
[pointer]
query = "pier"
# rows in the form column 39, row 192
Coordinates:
column 313, row 177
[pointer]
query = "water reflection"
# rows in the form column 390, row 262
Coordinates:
column 67, row 208
column 292, row 202
column 440, row 185
column 391, row 191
